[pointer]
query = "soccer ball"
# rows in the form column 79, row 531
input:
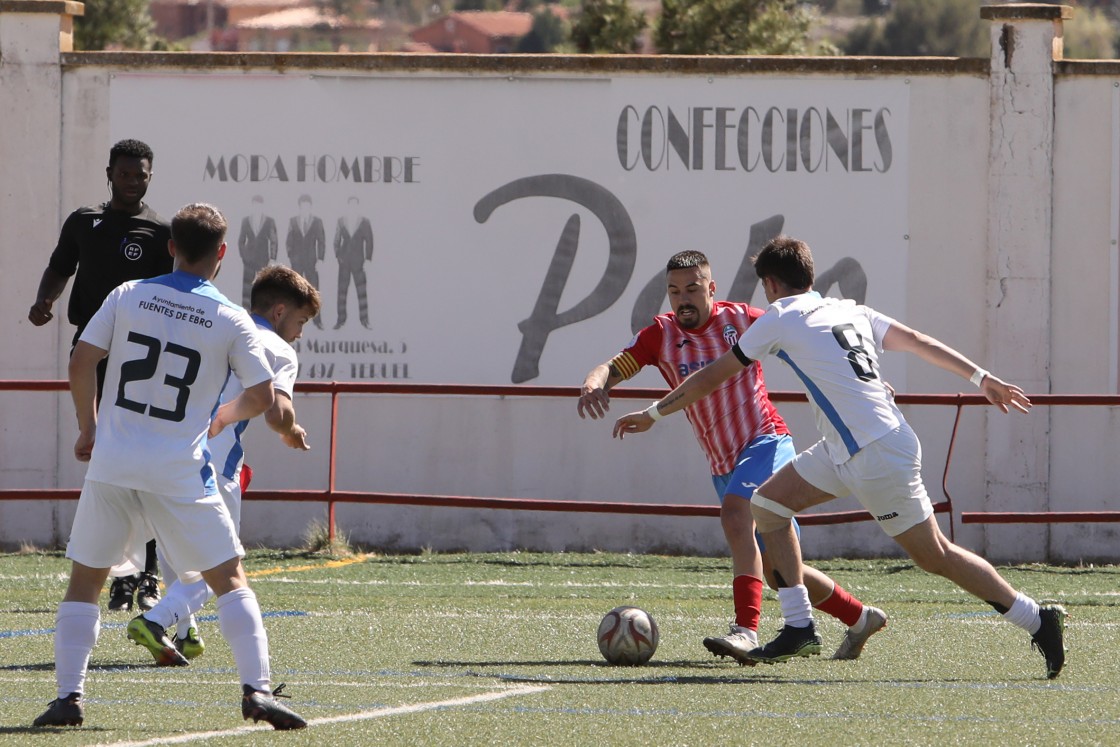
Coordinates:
column 628, row 636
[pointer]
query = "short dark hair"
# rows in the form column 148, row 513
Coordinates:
column 686, row 259
column 133, row 148
column 304, row 198
column 786, row 259
column 281, row 284
column 198, row 230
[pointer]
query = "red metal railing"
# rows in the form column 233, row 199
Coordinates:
column 331, row 496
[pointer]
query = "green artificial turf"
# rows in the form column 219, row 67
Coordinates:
column 500, row 649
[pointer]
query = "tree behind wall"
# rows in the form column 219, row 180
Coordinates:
column 547, row 34
column 352, row 9
column 116, row 24
column 736, row 27
column 923, row 27
column 1090, row 35
column 608, row 26
column 490, row 5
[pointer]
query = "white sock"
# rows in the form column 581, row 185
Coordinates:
column 76, row 627
column 178, row 605
column 1024, row 613
column 196, row 595
column 796, row 608
column 185, row 626
column 171, row 608
column 239, row 617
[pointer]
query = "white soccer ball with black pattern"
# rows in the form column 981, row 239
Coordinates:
column 628, row 636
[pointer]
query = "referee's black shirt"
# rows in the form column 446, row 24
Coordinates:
column 107, row 247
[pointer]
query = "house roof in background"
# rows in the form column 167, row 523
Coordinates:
column 303, row 18
column 496, row 23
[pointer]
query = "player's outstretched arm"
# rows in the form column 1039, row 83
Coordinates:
column 933, row 351
column 694, row 388
column 281, row 417
column 593, row 397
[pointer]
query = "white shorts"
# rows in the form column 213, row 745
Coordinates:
column 194, row 533
column 230, row 490
column 885, row 477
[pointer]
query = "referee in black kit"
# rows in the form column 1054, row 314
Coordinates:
column 103, row 246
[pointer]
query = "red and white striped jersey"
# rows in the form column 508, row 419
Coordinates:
column 736, row 413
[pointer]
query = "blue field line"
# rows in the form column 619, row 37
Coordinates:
column 118, row 626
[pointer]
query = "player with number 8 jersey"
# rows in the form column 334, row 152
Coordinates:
column 809, row 333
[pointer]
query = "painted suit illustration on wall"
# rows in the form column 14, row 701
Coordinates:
column 306, row 244
column 257, row 245
column 353, row 246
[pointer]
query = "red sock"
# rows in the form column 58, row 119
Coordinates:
column 747, row 593
column 842, row 605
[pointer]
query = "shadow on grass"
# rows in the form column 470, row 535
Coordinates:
column 754, row 676
column 761, row 674
column 105, row 666
column 51, row 729
column 596, row 663
column 620, row 675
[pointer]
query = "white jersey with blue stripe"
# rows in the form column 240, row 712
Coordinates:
column 173, row 342
column 833, row 347
column 225, row 448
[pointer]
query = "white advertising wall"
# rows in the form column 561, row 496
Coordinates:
column 519, row 228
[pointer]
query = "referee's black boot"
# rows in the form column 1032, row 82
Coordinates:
column 147, row 592
column 121, row 592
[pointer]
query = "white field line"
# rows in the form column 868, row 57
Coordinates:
column 498, row 582
column 406, row 681
column 362, row 716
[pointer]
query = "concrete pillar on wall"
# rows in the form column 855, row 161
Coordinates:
column 1026, row 39
column 32, row 35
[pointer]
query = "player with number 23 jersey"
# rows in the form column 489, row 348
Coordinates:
column 160, row 391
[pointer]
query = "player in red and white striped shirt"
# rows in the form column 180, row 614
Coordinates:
column 742, row 434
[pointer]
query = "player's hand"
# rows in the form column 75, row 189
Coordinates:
column 594, row 402
column 83, row 447
column 296, row 438
column 40, row 313
column 635, row 422
column 1004, row 395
